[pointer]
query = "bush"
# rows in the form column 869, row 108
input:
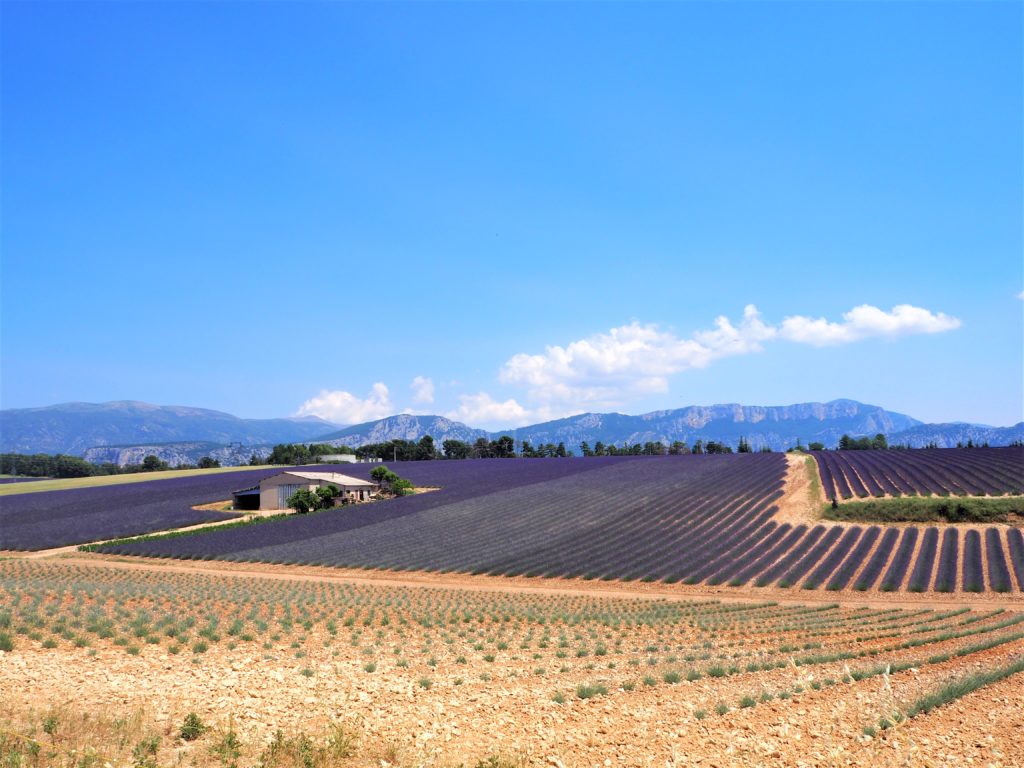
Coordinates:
column 586, row 691
column 192, row 728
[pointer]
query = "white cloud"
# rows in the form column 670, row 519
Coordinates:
column 345, row 408
column 607, row 369
column 631, row 360
column 422, row 390
column 1021, row 295
column 482, row 409
column 865, row 322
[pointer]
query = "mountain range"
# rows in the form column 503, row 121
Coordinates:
column 75, row 427
column 125, row 431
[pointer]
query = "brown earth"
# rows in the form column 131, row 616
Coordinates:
column 477, row 706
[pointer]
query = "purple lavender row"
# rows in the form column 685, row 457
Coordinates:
column 945, row 579
column 974, row 576
column 998, row 573
column 1015, row 539
column 921, row 576
column 873, row 569
column 842, row 576
column 901, row 562
column 836, row 556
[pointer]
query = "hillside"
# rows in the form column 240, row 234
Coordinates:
column 74, row 427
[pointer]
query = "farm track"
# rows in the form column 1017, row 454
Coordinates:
column 551, row 586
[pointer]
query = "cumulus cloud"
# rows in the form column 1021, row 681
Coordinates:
column 634, row 360
column 631, row 360
column 483, row 409
column 345, row 408
column 865, row 322
column 422, row 390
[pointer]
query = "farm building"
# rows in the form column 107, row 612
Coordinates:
column 274, row 491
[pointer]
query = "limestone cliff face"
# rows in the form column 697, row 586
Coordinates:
column 404, row 426
column 175, row 453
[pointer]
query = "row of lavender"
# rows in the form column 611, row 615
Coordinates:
column 939, row 471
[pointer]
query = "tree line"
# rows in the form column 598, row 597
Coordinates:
column 62, row 465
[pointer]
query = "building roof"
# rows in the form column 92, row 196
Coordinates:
column 333, row 477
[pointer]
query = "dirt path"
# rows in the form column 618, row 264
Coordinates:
column 570, row 587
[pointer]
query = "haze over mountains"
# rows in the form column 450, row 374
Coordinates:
column 125, row 431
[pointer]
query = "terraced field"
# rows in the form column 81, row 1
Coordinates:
column 361, row 674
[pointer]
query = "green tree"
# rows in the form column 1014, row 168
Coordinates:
column 503, row 448
column 325, row 496
column 425, row 449
column 208, row 462
column 153, row 464
column 303, row 501
column 401, row 487
column 382, row 475
column 456, row 449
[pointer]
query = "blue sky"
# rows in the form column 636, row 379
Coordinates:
column 511, row 212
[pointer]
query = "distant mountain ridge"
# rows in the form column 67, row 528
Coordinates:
column 74, row 427
column 777, row 427
column 125, row 431
column 404, row 426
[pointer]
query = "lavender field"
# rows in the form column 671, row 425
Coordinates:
column 936, row 471
column 692, row 519
column 59, row 518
